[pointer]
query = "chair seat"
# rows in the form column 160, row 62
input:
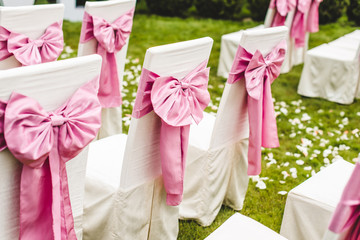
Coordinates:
column 241, row 227
column 310, row 205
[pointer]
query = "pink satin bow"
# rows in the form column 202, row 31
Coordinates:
column 301, row 25
column 347, row 213
column 177, row 103
column 282, row 8
column 47, row 48
column 259, row 73
column 111, row 38
column 44, row 142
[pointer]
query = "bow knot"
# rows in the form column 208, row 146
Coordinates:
column 57, row 120
column 184, row 85
column 38, row 43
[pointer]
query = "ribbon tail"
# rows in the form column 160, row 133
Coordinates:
column 255, row 110
column 298, row 29
column 173, row 149
column 269, row 128
column 109, row 90
column 278, row 20
column 313, row 18
column 36, row 203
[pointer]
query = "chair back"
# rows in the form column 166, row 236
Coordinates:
column 31, row 21
column 231, row 124
column 51, row 84
column 142, row 153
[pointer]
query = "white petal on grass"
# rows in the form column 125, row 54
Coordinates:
column 298, row 110
column 292, row 135
column 284, row 111
column 297, row 155
column 300, row 162
column 342, row 113
column 282, row 182
column 261, row 185
column 307, row 168
column 326, row 152
column 282, row 192
column 305, row 117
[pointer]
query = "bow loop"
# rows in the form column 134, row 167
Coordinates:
column 47, row 48
column 4, row 36
column 177, row 102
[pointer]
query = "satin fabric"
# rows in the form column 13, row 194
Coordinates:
column 259, row 73
column 347, row 213
column 111, row 38
column 48, row 141
column 282, row 8
column 301, row 25
column 27, row 51
column 177, row 103
column 2, row 112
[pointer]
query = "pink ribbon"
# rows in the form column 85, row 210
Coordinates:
column 347, row 213
column 44, row 142
column 177, row 103
column 301, row 25
column 282, row 8
column 259, row 73
column 111, row 38
column 27, row 51
column 2, row 113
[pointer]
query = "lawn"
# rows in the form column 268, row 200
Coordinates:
column 313, row 132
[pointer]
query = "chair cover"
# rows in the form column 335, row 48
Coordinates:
column 332, row 70
column 31, row 21
column 217, row 163
column 126, row 186
column 109, row 11
column 239, row 226
column 345, row 220
column 50, row 84
column 310, row 205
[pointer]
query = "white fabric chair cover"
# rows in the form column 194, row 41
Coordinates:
column 239, row 226
column 111, row 119
column 331, row 71
column 125, row 197
column 51, row 84
column 216, row 168
column 29, row 20
column 230, row 43
column 310, row 205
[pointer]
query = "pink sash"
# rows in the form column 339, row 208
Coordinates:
column 111, row 38
column 44, row 142
column 177, row 103
column 46, row 48
column 259, row 73
column 301, row 25
column 282, row 8
column 347, row 213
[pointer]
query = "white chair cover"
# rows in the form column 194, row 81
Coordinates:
column 310, row 205
column 216, row 168
column 51, row 84
column 29, row 20
column 111, row 119
column 125, row 197
column 331, row 71
column 230, row 42
column 239, row 226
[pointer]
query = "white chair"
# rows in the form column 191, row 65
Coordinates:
column 230, row 43
column 331, row 71
column 31, row 21
column 110, row 11
column 216, row 168
column 51, row 84
column 310, row 205
column 239, row 226
column 125, row 196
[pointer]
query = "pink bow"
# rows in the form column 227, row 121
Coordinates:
column 301, row 25
column 47, row 48
column 44, row 142
column 282, row 8
column 177, row 103
column 347, row 213
column 111, row 38
column 259, row 73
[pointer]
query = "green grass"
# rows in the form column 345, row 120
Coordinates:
column 327, row 125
